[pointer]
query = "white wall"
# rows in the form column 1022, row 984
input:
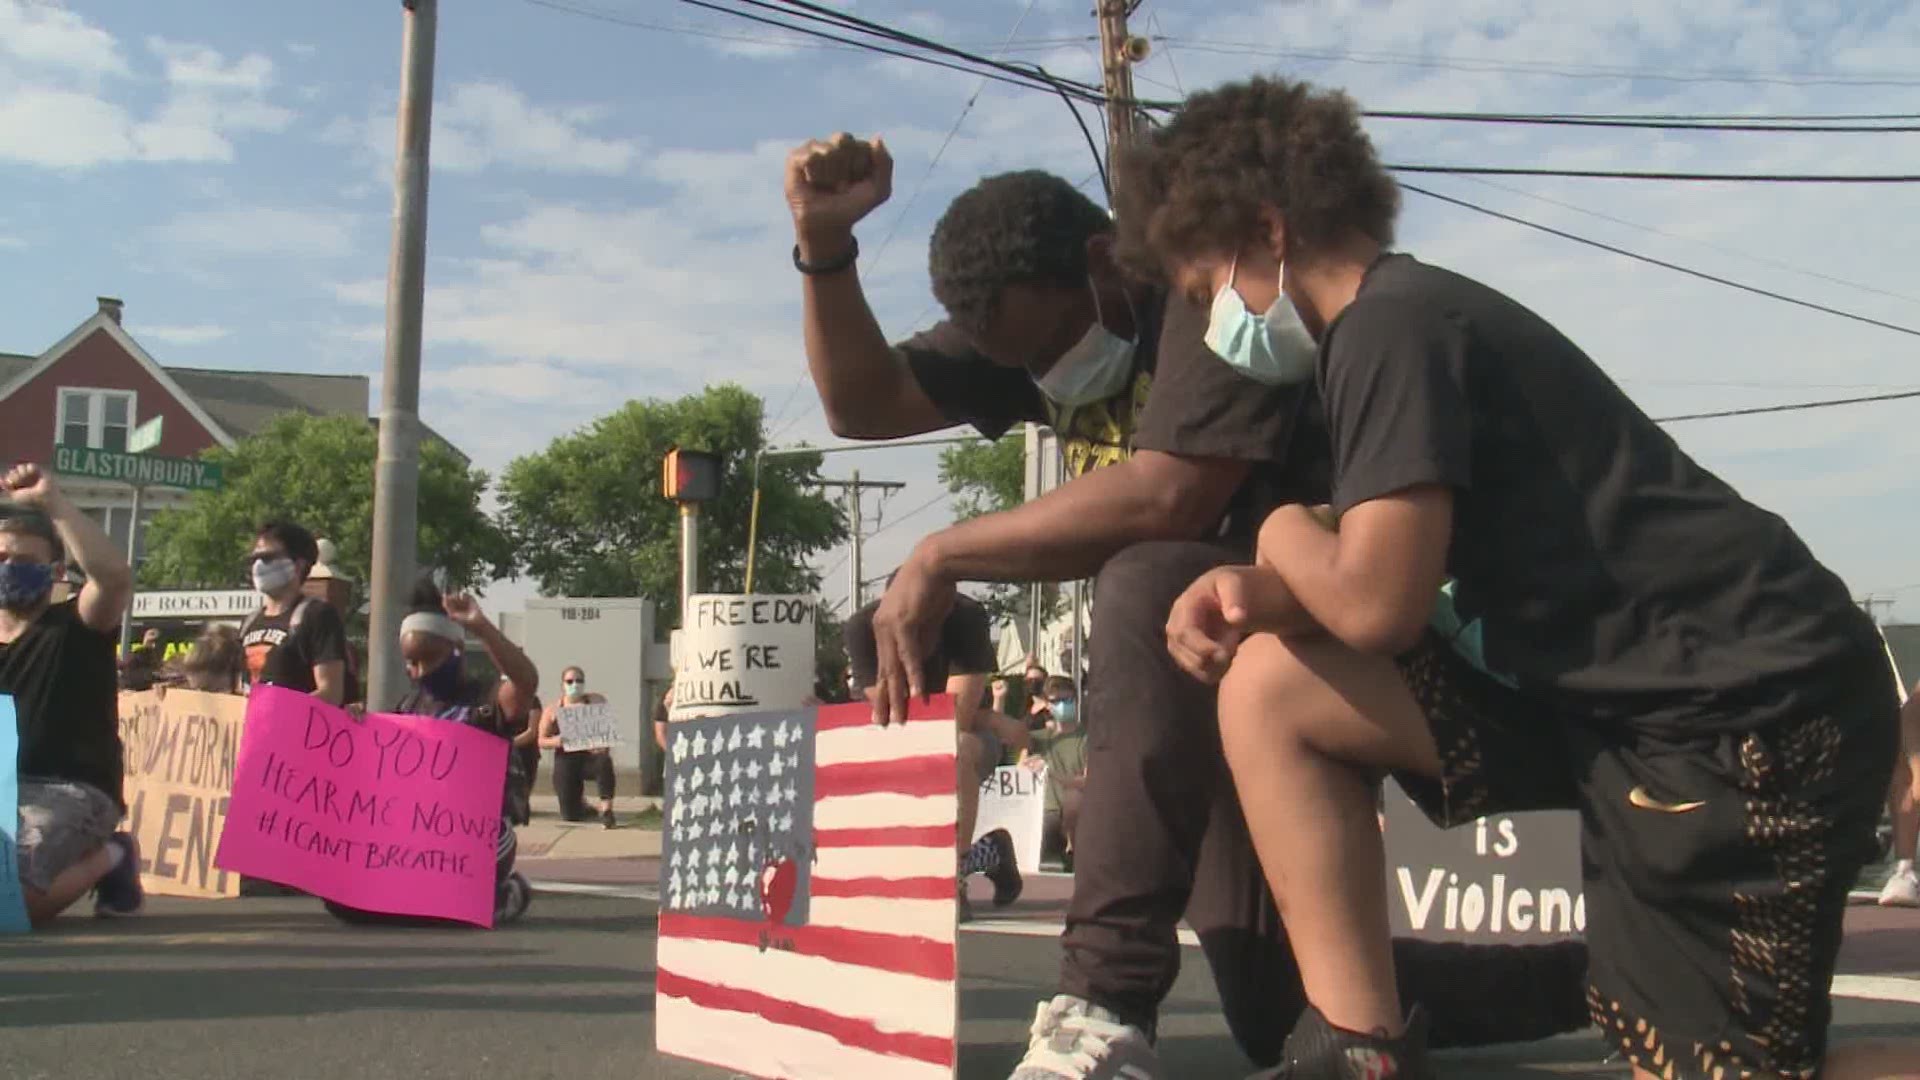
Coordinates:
column 611, row 639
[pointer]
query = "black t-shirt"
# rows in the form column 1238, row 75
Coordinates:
column 1613, row 576
column 1199, row 407
column 281, row 653
column 61, row 676
column 965, row 646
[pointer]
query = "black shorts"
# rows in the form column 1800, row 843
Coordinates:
column 1716, row 868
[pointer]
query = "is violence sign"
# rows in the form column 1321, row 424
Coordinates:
column 180, row 756
column 395, row 814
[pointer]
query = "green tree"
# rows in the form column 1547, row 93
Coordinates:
column 587, row 517
column 985, row 478
column 318, row 471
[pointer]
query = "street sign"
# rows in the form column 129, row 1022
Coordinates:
column 146, row 436
column 140, row 470
column 197, row 604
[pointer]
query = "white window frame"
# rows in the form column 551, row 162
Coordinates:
column 96, row 419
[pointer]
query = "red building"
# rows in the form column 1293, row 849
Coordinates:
column 97, row 384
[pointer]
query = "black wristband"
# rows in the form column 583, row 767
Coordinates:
column 832, row 266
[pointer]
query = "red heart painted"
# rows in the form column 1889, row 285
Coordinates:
column 778, row 879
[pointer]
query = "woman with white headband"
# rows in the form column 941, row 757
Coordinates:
column 433, row 638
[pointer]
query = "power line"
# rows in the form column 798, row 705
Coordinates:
column 1603, row 174
column 1797, row 406
column 1703, row 275
column 1649, row 123
column 1777, row 264
column 1554, row 69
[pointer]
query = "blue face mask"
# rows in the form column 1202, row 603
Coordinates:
column 1066, row 711
column 443, row 682
column 1272, row 348
column 24, row 585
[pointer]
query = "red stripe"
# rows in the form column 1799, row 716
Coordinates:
column 859, row 714
column 860, row 1034
column 930, row 774
column 900, row 954
column 923, row 888
column 888, row 836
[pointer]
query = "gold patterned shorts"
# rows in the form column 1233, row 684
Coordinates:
column 1717, row 865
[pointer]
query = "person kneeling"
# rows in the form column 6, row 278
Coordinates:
column 432, row 640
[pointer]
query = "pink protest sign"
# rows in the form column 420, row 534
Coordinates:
column 396, row 814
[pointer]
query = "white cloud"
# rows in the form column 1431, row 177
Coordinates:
column 258, row 231
column 12, row 243
column 302, row 49
column 186, row 336
column 484, row 124
column 55, row 114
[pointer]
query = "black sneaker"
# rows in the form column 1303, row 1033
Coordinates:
column 512, row 900
column 1007, row 882
column 1319, row 1051
column 606, row 818
column 119, row 892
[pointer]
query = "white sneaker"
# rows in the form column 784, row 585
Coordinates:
column 1902, row 889
column 1073, row 1040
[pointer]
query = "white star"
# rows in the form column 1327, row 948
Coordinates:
column 713, row 852
column 733, row 797
column 695, row 831
column 693, row 858
column 753, row 854
column 793, row 762
column 757, row 738
column 733, row 741
column 680, row 747
column 674, row 859
column 793, row 793
column 752, row 795
column 713, row 877
column 697, row 779
column 700, row 744
column 680, row 786
column 786, row 823
column 780, row 736
column 776, row 766
column 753, row 770
column 679, row 813
column 739, row 770
column 733, row 853
column 673, row 899
column 713, row 895
column 733, row 876
column 773, row 796
column 748, row 901
column 673, row 883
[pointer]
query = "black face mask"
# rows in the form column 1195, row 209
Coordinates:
column 1034, row 686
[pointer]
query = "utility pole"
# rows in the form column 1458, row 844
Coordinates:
column 1119, row 51
column 856, row 526
column 396, row 491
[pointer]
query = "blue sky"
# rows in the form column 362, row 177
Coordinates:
column 607, row 223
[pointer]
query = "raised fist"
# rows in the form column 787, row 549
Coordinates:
column 833, row 184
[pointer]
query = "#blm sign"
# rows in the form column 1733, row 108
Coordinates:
column 1512, row 879
column 1014, row 798
column 140, row 470
column 13, row 904
column 587, row 727
column 743, row 654
column 394, row 814
column 180, row 753
column 807, row 894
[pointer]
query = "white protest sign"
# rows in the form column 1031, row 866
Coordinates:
column 587, row 727
column 1014, row 798
column 743, row 654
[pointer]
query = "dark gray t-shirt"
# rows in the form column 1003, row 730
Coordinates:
column 1614, row 576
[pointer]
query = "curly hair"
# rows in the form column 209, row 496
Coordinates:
column 1016, row 228
column 1196, row 186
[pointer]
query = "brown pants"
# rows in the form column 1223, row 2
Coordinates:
column 1160, row 835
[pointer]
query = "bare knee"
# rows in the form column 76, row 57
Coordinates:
column 1317, row 696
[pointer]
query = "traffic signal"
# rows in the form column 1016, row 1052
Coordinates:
column 691, row 476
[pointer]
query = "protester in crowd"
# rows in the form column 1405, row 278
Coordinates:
column 216, row 663
column 433, row 639
column 1061, row 753
column 570, row 767
column 143, row 664
column 962, row 660
column 1902, row 888
column 57, row 664
column 662, row 709
column 1649, row 648
column 294, row 640
column 1173, row 453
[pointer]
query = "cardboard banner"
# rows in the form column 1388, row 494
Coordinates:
column 743, row 654
column 394, row 814
column 587, row 727
column 13, row 904
column 180, row 753
column 1014, row 798
column 1511, row 880
column 807, row 894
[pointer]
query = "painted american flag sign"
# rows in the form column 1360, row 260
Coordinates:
column 807, row 894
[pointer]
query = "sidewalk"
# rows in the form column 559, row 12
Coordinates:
column 552, row 849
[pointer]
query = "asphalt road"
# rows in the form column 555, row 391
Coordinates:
column 274, row 988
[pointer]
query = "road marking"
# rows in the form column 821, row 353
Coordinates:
column 1878, row 988
column 578, row 888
